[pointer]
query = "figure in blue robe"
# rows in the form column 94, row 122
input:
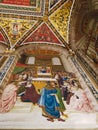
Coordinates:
column 49, row 103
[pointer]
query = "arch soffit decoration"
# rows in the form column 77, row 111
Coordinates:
column 48, row 47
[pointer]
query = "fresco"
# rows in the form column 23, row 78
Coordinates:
column 27, row 7
column 20, row 2
column 18, row 30
column 74, row 97
column 60, row 19
column 15, row 29
column 40, row 94
column 56, row 99
column 43, row 34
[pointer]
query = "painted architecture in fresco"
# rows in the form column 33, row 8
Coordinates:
column 48, row 64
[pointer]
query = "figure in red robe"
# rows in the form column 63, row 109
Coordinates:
column 30, row 94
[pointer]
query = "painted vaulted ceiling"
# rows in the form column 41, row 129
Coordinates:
column 34, row 21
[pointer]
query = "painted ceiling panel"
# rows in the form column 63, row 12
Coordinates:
column 60, row 19
column 22, row 7
column 43, row 34
column 17, row 2
column 35, row 21
column 15, row 29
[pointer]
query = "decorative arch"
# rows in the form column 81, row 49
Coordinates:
column 52, row 47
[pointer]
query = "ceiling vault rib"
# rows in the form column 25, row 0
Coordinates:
column 46, row 7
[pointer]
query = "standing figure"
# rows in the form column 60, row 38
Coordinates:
column 58, row 77
column 65, row 92
column 8, row 97
column 48, row 102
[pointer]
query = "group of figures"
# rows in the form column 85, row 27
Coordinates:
column 77, row 98
column 48, row 98
column 54, row 98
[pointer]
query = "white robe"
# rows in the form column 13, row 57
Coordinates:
column 8, row 98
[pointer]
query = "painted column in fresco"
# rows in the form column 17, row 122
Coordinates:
column 6, row 70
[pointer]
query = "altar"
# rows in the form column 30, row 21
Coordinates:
column 39, row 83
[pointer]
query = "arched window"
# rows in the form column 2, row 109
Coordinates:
column 31, row 60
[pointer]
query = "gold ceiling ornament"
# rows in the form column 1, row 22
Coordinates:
column 45, row 18
column 60, row 19
column 8, row 51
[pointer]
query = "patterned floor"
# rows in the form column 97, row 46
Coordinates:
column 28, row 116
